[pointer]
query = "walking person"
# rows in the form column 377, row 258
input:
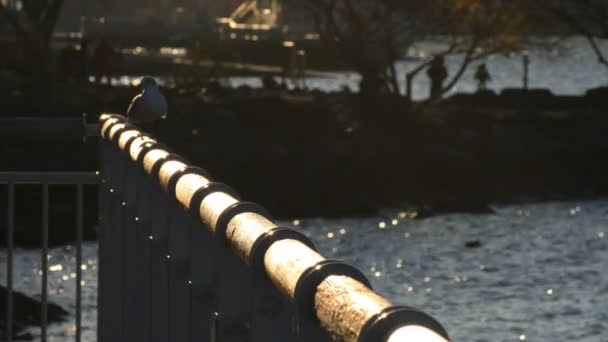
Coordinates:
column 437, row 73
column 483, row 77
column 104, row 58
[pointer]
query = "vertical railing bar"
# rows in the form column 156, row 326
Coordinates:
column 79, row 224
column 10, row 235
column 168, row 270
column 45, row 247
column 189, row 308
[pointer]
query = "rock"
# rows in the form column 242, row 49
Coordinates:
column 26, row 313
column 473, row 244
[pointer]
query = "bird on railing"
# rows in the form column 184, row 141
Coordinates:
column 148, row 107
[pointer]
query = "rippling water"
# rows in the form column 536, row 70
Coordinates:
column 567, row 68
column 539, row 275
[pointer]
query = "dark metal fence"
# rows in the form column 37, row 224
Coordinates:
column 44, row 179
column 181, row 258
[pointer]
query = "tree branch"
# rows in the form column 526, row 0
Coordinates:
column 12, row 19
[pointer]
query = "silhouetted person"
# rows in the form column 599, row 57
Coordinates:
column 83, row 62
column 269, row 83
column 149, row 107
column 437, row 73
column 65, row 61
column 301, row 64
column 104, row 55
column 483, row 77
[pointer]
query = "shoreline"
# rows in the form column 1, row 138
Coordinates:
column 312, row 154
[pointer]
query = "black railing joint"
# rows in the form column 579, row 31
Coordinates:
column 382, row 325
column 106, row 130
column 263, row 243
column 171, row 185
column 232, row 211
column 306, row 287
column 147, row 147
column 116, row 137
column 161, row 161
column 129, row 142
column 199, row 195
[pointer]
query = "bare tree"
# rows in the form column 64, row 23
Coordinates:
column 475, row 29
column 588, row 18
column 372, row 35
column 33, row 27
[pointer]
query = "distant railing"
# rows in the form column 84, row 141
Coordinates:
column 13, row 179
column 15, row 129
column 181, row 258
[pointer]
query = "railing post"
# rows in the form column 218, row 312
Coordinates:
column 159, row 263
column 204, row 268
column 79, row 224
column 179, row 275
column 10, row 239
column 114, row 268
column 132, row 282
column 143, row 224
column 45, row 261
column 104, row 220
column 179, row 249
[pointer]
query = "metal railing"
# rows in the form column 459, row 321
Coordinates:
column 181, row 258
column 14, row 129
column 45, row 179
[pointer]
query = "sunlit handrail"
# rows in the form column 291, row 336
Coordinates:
column 328, row 299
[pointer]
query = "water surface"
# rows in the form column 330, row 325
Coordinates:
column 539, row 275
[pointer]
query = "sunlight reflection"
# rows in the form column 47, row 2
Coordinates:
column 56, row 268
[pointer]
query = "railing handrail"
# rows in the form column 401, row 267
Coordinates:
column 52, row 128
column 50, row 177
column 327, row 293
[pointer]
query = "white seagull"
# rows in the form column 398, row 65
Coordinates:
column 150, row 105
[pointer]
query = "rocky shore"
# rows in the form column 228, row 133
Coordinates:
column 26, row 314
column 313, row 154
